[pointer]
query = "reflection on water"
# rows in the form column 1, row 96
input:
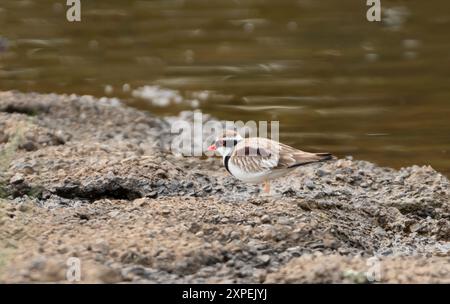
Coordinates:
column 377, row 91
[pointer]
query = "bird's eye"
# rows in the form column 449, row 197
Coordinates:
column 230, row 143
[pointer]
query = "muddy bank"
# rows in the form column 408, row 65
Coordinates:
column 89, row 178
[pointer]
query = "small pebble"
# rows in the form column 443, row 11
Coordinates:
column 265, row 219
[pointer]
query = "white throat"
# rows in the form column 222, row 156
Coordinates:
column 225, row 151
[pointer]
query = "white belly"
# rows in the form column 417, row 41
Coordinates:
column 255, row 177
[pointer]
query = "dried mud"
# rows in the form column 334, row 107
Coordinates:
column 93, row 179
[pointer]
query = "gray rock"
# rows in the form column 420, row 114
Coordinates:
column 263, row 259
column 17, row 179
column 310, row 184
column 265, row 219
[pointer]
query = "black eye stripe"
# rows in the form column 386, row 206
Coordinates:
column 226, row 142
column 231, row 142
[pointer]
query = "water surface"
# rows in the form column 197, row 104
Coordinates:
column 336, row 82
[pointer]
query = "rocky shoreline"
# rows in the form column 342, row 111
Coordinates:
column 91, row 178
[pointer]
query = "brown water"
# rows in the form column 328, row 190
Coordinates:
column 336, row 82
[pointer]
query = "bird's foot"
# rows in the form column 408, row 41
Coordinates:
column 266, row 189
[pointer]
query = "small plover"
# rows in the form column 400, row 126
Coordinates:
column 259, row 160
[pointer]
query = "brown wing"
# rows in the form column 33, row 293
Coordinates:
column 254, row 155
column 260, row 154
column 291, row 157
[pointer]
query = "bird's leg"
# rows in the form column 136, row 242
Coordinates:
column 267, row 187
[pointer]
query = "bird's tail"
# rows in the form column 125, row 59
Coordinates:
column 305, row 158
column 325, row 156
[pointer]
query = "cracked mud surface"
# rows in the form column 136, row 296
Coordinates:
column 90, row 178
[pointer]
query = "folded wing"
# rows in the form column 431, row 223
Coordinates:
column 261, row 154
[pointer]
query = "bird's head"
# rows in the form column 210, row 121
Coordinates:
column 225, row 143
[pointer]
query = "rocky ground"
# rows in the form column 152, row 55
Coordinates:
column 92, row 179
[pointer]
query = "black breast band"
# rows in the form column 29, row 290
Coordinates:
column 226, row 159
